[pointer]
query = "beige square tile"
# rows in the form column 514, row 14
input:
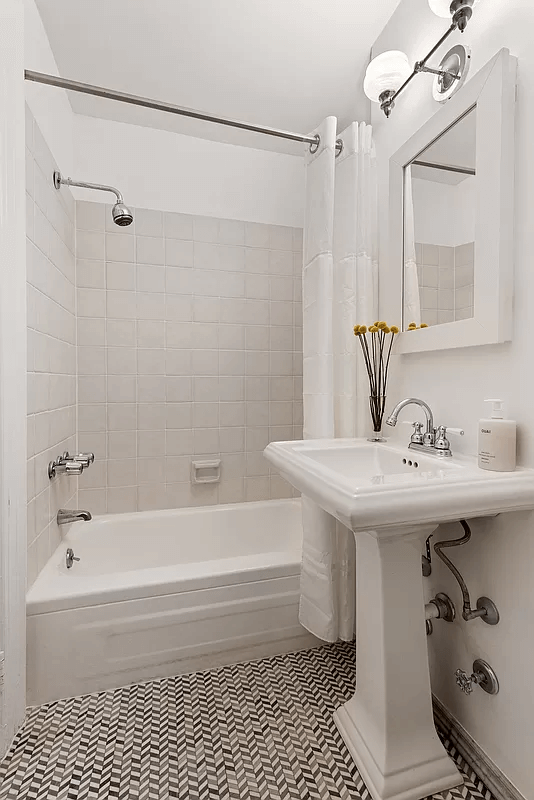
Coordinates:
column 121, row 389
column 120, row 276
column 90, row 216
column 120, row 247
column 205, row 415
column 121, row 332
column 180, row 415
column 179, row 253
column 150, row 444
column 91, row 302
column 430, row 255
column 179, row 442
column 121, row 305
column 257, row 235
column 90, row 274
column 151, row 333
column 122, row 417
column 122, row 361
column 150, row 279
column 150, row 250
column 121, row 499
column 89, row 244
column 151, row 361
column 122, row 472
column 178, row 226
column 91, row 332
column 151, row 416
column 148, row 222
column 122, row 444
column 151, row 389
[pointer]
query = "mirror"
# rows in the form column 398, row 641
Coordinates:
column 451, row 219
column 439, row 227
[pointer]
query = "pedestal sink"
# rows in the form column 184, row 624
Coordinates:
column 393, row 498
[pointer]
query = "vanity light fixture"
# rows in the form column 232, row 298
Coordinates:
column 389, row 73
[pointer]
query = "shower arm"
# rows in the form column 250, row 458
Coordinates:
column 59, row 180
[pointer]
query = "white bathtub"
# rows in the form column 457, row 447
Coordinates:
column 159, row 593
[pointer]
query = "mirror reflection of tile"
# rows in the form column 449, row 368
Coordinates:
column 446, row 282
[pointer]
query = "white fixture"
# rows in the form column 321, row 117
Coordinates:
column 387, row 72
column 393, row 499
column 207, row 471
column 390, row 73
column 447, row 8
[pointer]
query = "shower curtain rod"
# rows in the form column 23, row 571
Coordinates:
column 445, row 167
column 170, row 108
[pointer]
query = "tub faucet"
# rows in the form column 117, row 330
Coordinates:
column 65, row 516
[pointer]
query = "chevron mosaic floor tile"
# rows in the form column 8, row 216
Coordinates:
column 261, row 730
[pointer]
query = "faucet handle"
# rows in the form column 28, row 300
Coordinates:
column 417, row 435
column 84, row 458
column 442, row 442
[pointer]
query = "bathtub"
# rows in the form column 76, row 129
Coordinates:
column 160, row 593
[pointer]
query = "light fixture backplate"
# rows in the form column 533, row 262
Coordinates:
column 456, row 61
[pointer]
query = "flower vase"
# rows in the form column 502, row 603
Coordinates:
column 377, row 404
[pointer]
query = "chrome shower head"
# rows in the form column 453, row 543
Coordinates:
column 121, row 215
column 120, row 212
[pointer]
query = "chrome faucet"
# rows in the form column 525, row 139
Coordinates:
column 434, row 440
column 65, row 516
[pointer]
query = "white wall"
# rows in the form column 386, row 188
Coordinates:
column 49, row 106
column 444, row 213
column 498, row 562
column 170, row 172
column 160, row 169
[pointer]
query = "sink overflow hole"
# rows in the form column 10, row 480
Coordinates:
column 410, row 463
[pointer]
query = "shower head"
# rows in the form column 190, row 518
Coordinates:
column 121, row 214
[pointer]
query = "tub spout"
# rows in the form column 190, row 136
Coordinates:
column 65, row 516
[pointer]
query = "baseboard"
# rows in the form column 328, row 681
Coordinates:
column 478, row 760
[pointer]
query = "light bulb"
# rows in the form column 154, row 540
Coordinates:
column 386, row 72
column 442, row 8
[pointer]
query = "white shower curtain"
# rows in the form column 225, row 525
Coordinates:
column 412, row 300
column 339, row 290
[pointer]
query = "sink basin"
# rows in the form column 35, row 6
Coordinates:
column 393, row 498
column 364, row 484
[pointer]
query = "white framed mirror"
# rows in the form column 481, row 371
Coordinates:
column 451, row 217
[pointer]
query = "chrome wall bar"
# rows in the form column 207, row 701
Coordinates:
column 169, row 108
column 445, row 167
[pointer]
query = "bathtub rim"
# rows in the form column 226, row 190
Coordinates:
column 168, row 579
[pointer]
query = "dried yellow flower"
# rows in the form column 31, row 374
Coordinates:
column 424, row 325
column 363, row 328
column 394, row 329
column 373, row 329
column 386, row 329
column 356, row 330
column 382, row 325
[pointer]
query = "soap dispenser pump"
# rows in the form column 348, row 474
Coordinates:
column 497, row 440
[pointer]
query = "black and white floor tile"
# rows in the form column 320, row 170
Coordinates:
column 256, row 731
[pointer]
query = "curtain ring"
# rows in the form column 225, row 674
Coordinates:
column 314, row 146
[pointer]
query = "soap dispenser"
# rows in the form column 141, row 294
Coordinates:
column 497, row 440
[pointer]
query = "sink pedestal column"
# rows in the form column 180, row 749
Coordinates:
column 388, row 724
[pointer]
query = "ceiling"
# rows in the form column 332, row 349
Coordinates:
column 282, row 63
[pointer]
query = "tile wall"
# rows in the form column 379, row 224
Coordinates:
column 50, row 236
column 446, row 281
column 189, row 347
